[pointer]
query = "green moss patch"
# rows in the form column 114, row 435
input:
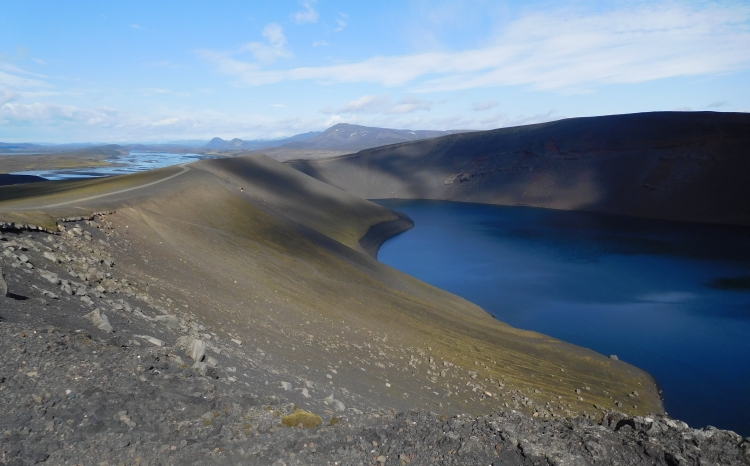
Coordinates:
column 300, row 416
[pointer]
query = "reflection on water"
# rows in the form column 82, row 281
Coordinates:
column 671, row 298
column 121, row 165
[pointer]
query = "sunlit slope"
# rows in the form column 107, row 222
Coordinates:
column 669, row 165
column 268, row 254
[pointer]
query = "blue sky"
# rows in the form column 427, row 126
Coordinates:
column 75, row 71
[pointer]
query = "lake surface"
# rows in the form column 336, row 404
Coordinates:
column 671, row 298
column 121, row 165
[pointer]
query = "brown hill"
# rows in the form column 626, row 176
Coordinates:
column 667, row 165
column 263, row 253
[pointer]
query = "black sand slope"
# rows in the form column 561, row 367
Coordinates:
column 266, row 250
column 666, row 165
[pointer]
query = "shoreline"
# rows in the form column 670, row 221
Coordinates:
column 381, row 232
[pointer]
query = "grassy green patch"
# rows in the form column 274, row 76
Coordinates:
column 300, row 416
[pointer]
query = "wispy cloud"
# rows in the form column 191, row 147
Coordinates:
column 38, row 112
column 409, row 105
column 481, row 106
column 501, row 120
column 7, row 96
column 369, row 104
column 320, row 43
column 562, row 50
column 717, row 104
column 307, row 14
column 110, row 124
column 136, row 26
column 275, row 48
column 13, row 81
column 152, row 91
column 366, row 104
column 165, row 122
column 16, row 82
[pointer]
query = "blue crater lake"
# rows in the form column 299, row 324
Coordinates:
column 671, row 298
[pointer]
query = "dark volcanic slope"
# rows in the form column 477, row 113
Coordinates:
column 668, row 165
column 265, row 253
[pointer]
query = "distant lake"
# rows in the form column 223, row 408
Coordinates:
column 671, row 298
column 133, row 162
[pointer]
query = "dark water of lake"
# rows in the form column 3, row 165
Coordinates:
column 133, row 162
column 671, row 298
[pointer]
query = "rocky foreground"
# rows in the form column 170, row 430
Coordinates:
column 98, row 368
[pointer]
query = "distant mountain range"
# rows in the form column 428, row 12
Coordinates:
column 342, row 136
column 239, row 144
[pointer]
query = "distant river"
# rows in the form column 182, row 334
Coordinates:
column 121, row 165
column 671, row 298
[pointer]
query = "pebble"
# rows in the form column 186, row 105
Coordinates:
column 152, row 340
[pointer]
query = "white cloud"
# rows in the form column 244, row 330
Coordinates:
column 480, row 106
column 7, row 96
column 275, row 48
column 366, row 104
column 561, row 50
column 37, row 112
column 501, row 120
column 136, row 26
column 341, row 24
column 370, row 104
column 68, row 123
column 166, row 122
column 307, row 14
column 320, row 43
column 14, row 81
column 409, row 105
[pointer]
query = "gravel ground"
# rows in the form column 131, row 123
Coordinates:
column 95, row 370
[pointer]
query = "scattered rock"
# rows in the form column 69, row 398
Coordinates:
column 170, row 321
column 152, row 340
column 196, row 349
column 3, row 284
column 337, row 405
column 99, row 320
column 52, row 257
column 200, row 367
column 211, row 361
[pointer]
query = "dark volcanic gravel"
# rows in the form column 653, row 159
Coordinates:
column 120, row 388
